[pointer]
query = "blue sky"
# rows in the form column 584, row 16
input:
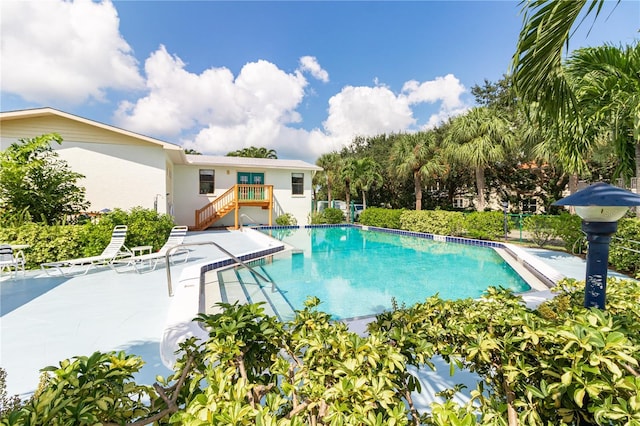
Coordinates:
column 303, row 78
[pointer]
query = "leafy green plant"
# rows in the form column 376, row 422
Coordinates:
column 35, row 179
column 484, row 225
column 382, row 218
column 286, row 219
column 562, row 364
column 55, row 242
column 7, row 403
column 542, row 229
column 87, row 391
column 332, row 215
column 570, row 232
column 438, row 222
column 624, row 251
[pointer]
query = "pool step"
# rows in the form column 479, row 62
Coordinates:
column 240, row 284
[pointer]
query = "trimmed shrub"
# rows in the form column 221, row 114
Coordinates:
column 484, row 225
column 286, row 219
column 382, row 218
column 328, row 215
column 543, row 229
column 570, row 232
column 620, row 257
column 438, row 222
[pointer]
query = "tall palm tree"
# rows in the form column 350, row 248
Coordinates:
column 478, row 138
column 606, row 82
column 330, row 162
column 348, row 173
column 367, row 176
column 416, row 155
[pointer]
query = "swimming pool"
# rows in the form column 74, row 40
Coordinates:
column 357, row 273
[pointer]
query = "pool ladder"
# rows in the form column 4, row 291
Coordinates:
column 222, row 249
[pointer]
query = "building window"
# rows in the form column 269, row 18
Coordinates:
column 460, row 202
column 530, row 206
column 297, row 183
column 207, row 181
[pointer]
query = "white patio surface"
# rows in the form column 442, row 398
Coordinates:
column 44, row 320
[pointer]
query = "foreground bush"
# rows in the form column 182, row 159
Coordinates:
column 559, row 365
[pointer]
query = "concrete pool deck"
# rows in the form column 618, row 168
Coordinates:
column 44, row 320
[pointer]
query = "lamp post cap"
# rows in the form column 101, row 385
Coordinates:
column 600, row 194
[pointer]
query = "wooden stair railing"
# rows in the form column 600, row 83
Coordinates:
column 216, row 209
column 232, row 199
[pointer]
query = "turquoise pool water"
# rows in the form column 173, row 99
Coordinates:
column 357, row 273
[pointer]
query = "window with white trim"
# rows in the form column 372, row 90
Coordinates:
column 207, row 181
column 297, row 183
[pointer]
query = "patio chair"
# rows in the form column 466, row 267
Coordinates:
column 115, row 250
column 148, row 262
column 11, row 260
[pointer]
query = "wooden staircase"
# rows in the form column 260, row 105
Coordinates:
column 231, row 201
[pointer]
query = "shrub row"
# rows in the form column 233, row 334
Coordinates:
column 490, row 226
column 49, row 243
column 482, row 225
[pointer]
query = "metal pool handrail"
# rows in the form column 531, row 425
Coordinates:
column 222, row 249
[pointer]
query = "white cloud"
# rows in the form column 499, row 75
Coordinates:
column 367, row 111
column 63, row 51
column 447, row 89
column 310, row 64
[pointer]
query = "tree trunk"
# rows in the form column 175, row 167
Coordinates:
column 347, row 187
column 480, row 184
column 364, row 200
column 329, row 198
column 418, row 189
column 573, row 183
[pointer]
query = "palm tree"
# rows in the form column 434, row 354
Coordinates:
column 537, row 62
column 416, row 155
column 330, row 162
column 254, row 152
column 480, row 137
column 607, row 89
column 348, row 173
column 367, row 176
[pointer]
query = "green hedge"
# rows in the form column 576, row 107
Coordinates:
column 382, row 218
column 328, row 215
column 438, row 222
column 59, row 242
column 620, row 257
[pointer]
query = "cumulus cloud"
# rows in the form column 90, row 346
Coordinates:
column 62, row 51
column 447, row 89
column 223, row 113
column 310, row 64
column 369, row 111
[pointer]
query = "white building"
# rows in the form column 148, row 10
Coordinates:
column 123, row 169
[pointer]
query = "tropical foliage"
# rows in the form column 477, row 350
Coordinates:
column 254, row 152
column 560, row 364
column 35, row 184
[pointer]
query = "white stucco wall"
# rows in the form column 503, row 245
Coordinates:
column 122, row 176
column 187, row 200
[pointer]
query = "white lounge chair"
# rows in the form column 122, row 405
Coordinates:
column 148, row 262
column 115, row 250
column 11, row 260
